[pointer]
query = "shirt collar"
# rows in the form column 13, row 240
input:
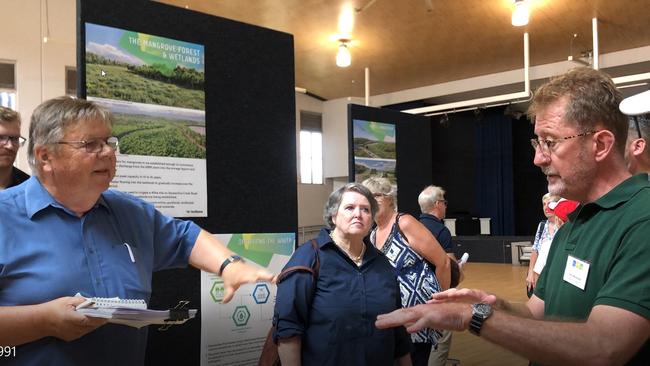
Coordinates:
column 37, row 198
column 429, row 216
column 618, row 195
column 323, row 239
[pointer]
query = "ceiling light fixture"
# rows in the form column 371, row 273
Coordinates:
column 343, row 57
column 520, row 13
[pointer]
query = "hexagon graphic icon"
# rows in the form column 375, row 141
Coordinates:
column 217, row 291
column 241, row 315
column 261, row 293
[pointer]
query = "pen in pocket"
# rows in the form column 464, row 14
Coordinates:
column 128, row 247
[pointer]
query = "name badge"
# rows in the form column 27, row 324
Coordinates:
column 576, row 272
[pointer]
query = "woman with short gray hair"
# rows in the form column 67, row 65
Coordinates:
column 328, row 318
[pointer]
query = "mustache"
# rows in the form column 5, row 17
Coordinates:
column 547, row 171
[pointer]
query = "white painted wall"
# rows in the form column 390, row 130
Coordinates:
column 619, row 58
column 311, row 197
column 335, row 136
column 40, row 67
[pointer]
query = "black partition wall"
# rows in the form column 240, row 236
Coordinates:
column 413, row 151
column 250, row 138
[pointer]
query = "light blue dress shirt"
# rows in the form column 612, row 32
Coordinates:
column 47, row 252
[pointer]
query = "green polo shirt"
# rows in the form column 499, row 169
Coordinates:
column 612, row 234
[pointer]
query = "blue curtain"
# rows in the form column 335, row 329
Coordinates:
column 494, row 176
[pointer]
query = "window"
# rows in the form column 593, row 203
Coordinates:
column 8, row 84
column 71, row 81
column 311, row 148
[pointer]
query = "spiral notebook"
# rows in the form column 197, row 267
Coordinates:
column 112, row 302
column 132, row 312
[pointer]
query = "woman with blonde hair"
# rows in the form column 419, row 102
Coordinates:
column 422, row 266
column 543, row 236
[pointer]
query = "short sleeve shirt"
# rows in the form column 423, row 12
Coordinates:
column 47, row 252
column 612, row 235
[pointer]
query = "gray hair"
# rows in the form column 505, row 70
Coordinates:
column 334, row 201
column 381, row 186
column 53, row 117
column 8, row 115
column 429, row 196
column 591, row 97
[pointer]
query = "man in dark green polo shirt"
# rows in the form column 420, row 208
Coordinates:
column 592, row 302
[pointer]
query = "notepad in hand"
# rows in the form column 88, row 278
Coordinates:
column 132, row 312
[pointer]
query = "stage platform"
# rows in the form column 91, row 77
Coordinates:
column 490, row 249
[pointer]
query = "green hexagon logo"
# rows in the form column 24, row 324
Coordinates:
column 241, row 315
column 217, row 291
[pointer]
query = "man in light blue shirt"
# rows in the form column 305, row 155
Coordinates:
column 64, row 232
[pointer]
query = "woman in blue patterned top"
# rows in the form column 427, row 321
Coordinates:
column 421, row 265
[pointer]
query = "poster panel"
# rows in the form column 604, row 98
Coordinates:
column 155, row 88
column 374, row 150
column 234, row 333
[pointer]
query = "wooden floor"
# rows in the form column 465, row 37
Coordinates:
column 505, row 280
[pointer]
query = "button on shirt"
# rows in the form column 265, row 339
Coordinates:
column 48, row 252
column 339, row 326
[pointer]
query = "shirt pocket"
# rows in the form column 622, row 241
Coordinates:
column 129, row 269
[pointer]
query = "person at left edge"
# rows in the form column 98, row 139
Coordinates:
column 63, row 231
column 333, row 322
column 10, row 142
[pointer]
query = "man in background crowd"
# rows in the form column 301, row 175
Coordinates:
column 637, row 151
column 591, row 305
column 433, row 206
column 10, row 142
column 434, row 209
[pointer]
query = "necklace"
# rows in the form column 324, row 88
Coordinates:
column 356, row 259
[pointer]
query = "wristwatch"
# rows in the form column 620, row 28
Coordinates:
column 232, row 258
column 480, row 312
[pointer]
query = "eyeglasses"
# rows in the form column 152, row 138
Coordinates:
column 547, row 145
column 443, row 201
column 15, row 140
column 94, row 145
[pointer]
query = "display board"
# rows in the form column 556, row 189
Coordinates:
column 155, row 87
column 234, row 333
column 394, row 145
column 250, row 147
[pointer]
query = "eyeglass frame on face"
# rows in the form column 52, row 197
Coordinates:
column 546, row 146
column 89, row 145
column 15, row 140
column 443, row 201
